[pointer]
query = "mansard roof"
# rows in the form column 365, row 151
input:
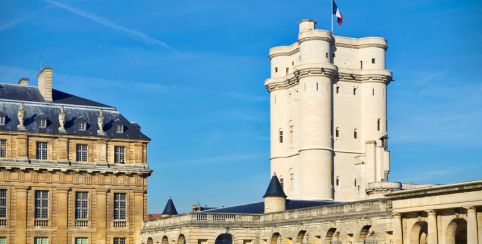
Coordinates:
column 76, row 109
column 258, row 207
column 170, row 208
column 275, row 189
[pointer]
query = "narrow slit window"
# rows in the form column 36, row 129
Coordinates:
column 354, row 91
column 326, row 55
column 287, row 70
column 317, row 86
column 355, row 134
column 338, row 181
column 378, row 124
column 305, row 86
column 275, row 69
column 337, row 132
column 280, row 136
column 281, row 182
column 337, row 89
column 361, row 64
column 292, row 182
column 373, row 92
column 333, row 54
column 274, row 99
column 355, row 181
column 293, row 63
column 373, row 60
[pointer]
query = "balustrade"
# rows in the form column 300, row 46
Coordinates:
column 41, row 222
column 120, row 223
column 81, row 223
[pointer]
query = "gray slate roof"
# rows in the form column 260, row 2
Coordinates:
column 75, row 108
column 258, row 207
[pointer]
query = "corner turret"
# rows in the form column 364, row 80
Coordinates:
column 275, row 197
column 170, row 209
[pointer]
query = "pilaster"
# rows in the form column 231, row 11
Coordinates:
column 397, row 229
column 101, row 212
column 21, row 215
column 432, row 227
column 471, row 226
column 62, row 214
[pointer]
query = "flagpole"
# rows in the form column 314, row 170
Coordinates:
column 331, row 15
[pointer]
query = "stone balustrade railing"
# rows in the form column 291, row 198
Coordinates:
column 313, row 212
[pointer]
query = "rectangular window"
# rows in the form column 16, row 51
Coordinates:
column 3, row 148
column 333, row 54
column 81, row 205
column 42, row 150
column 82, row 126
column 354, row 91
column 81, row 240
column 120, row 206
column 361, row 64
column 3, row 203
column 373, row 60
column 81, row 152
column 119, row 128
column 280, row 136
column 2, row 120
column 42, row 123
column 41, row 204
column 3, row 240
column 119, row 240
column 287, row 70
column 41, row 240
column 119, row 155
column 275, row 69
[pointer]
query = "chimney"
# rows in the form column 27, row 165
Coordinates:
column 23, row 82
column 307, row 25
column 45, row 83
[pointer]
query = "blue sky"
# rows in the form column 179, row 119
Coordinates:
column 191, row 73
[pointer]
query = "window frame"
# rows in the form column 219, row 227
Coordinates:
column 41, row 240
column 3, row 119
column 82, row 126
column 3, row 148
column 82, row 211
column 81, row 239
column 82, row 154
column 118, row 209
column 119, row 240
column 280, row 136
column 44, row 152
column 120, row 156
column 42, row 123
column 40, row 209
column 119, row 128
column 3, row 203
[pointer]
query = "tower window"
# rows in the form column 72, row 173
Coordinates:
column 287, row 70
column 354, row 91
column 337, row 132
column 355, row 181
column 355, row 134
column 338, row 181
column 326, row 55
column 361, row 64
column 337, row 89
column 280, row 136
column 317, row 86
column 275, row 69
column 373, row 92
column 373, row 60
column 378, row 124
column 292, row 182
column 281, row 182
column 293, row 63
column 333, row 54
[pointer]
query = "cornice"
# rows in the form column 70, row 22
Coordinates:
column 327, row 39
column 294, row 78
column 365, row 78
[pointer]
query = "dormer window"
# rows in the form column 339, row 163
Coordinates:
column 119, row 128
column 82, row 126
column 42, row 123
column 2, row 120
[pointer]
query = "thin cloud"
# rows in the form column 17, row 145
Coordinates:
column 136, row 34
column 13, row 23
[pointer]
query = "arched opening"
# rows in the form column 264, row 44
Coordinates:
column 419, row 233
column 333, row 236
column 275, row 238
column 181, row 239
column 457, row 232
column 368, row 235
column 224, row 239
column 150, row 241
column 303, row 237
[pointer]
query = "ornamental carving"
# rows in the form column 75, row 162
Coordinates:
column 21, row 117
column 284, row 54
column 100, row 123
column 62, row 119
column 315, row 38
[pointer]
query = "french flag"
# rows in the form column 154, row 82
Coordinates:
column 336, row 12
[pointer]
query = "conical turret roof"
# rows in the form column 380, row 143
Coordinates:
column 170, row 209
column 274, row 189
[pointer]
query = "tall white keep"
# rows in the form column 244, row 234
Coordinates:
column 329, row 115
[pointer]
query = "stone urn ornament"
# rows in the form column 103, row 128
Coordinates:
column 100, row 122
column 62, row 120
column 21, row 117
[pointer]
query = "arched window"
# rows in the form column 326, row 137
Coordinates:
column 355, row 134
column 378, row 124
column 280, row 136
column 338, row 181
column 354, row 90
column 337, row 132
column 337, row 89
column 281, row 181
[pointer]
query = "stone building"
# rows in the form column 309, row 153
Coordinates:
column 71, row 170
column 329, row 148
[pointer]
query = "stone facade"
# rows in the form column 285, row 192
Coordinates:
column 65, row 182
column 452, row 213
column 329, row 115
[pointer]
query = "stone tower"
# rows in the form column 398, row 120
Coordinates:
column 328, row 114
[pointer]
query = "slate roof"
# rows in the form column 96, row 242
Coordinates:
column 275, row 189
column 76, row 109
column 258, row 207
column 170, row 208
column 32, row 94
